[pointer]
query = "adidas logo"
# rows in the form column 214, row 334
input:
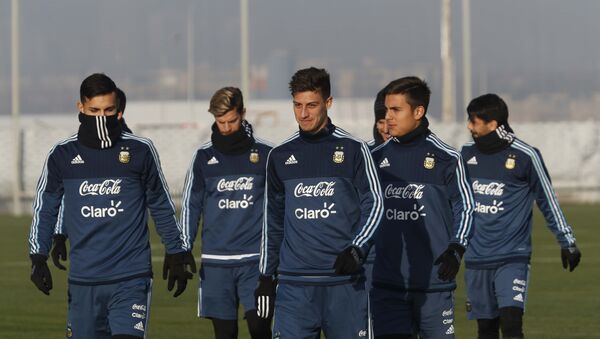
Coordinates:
column 450, row 330
column 472, row 161
column 519, row 297
column 139, row 326
column 384, row 163
column 77, row 160
column 291, row 160
column 213, row 161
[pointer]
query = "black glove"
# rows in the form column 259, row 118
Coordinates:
column 40, row 273
column 570, row 257
column 174, row 267
column 348, row 261
column 59, row 250
column 449, row 262
column 265, row 296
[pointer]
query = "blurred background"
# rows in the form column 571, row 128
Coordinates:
column 541, row 56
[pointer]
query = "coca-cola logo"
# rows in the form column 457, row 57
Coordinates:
column 322, row 189
column 239, row 184
column 107, row 187
column 410, row 191
column 493, row 188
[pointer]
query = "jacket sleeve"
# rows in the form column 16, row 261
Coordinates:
column 46, row 205
column 547, row 203
column 274, row 212
column 461, row 201
column 193, row 201
column 58, row 228
column 160, row 204
column 366, row 182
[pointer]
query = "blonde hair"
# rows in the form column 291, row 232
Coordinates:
column 226, row 99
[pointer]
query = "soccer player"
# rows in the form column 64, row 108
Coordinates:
column 225, row 187
column 323, row 206
column 59, row 239
column 380, row 130
column 427, row 222
column 105, row 180
column 507, row 176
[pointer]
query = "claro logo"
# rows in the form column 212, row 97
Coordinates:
column 313, row 214
column 102, row 212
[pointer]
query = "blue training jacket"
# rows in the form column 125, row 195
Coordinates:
column 322, row 196
column 428, row 205
column 505, row 185
column 227, row 191
column 100, row 198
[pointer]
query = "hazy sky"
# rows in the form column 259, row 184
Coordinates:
column 536, row 45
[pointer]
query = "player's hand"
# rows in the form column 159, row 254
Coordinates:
column 449, row 262
column 40, row 273
column 174, row 268
column 570, row 257
column 265, row 296
column 348, row 261
column 59, row 251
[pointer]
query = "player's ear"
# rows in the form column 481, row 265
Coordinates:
column 329, row 102
column 419, row 112
column 80, row 106
column 120, row 115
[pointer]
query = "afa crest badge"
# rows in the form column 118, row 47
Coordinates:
column 124, row 155
column 429, row 162
column 338, row 155
column 510, row 162
column 254, row 157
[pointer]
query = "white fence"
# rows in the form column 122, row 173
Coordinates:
column 571, row 149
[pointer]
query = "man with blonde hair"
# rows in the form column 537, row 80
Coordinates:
column 224, row 187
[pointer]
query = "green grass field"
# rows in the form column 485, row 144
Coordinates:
column 560, row 305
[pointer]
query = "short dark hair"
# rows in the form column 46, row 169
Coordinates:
column 121, row 100
column 488, row 107
column 311, row 79
column 415, row 90
column 95, row 85
column 379, row 105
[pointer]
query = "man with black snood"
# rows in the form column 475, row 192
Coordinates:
column 106, row 180
column 224, row 188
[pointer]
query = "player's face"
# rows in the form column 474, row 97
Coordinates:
column 100, row 105
column 382, row 129
column 310, row 110
column 479, row 127
column 401, row 119
column 230, row 122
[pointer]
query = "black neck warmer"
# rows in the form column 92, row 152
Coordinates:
column 234, row 144
column 124, row 126
column 496, row 140
column 99, row 132
column 323, row 132
column 421, row 130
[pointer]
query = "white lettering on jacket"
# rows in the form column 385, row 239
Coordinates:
column 239, row 184
column 493, row 188
column 107, row 187
column 410, row 191
column 322, row 189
